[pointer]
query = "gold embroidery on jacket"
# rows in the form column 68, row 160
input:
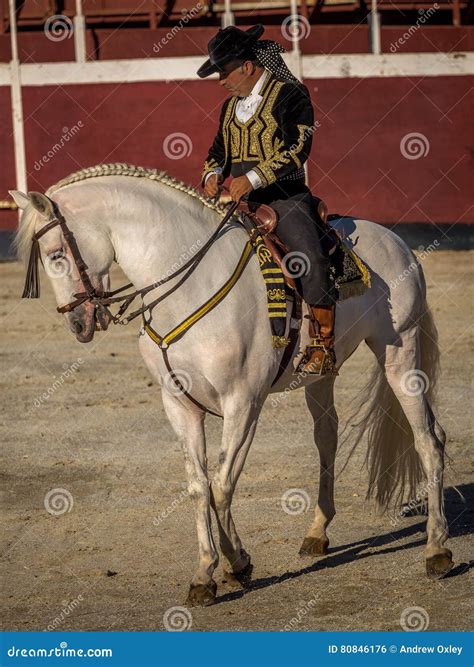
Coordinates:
column 209, row 165
column 283, row 157
column 256, row 140
column 257, row 135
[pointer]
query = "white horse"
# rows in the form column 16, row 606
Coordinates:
column 146, row 222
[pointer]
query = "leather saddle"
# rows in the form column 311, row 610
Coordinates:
column 265, row 219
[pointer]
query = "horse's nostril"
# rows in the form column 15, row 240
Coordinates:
column 77, row 327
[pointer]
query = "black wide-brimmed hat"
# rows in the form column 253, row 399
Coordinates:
column 228, row 45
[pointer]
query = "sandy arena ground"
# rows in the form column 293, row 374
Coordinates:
column 125, row 552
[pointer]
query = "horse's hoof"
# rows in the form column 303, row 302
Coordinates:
column 201, row 595
column 240, row 579
column 439, row 565
column 314, row 546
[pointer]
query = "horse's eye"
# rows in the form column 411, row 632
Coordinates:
column 57, row 254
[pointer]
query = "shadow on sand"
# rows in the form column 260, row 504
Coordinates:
column 459, row 513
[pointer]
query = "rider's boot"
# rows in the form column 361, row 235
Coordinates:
column 319, row 357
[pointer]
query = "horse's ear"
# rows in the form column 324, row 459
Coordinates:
column 21, row 200
column 42, row 204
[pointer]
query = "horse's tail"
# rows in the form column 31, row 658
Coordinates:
column 394, row 466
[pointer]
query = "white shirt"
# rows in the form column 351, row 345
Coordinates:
column 247, row 106
column 244, row 110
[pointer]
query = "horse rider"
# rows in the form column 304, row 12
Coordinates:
column 264, row 139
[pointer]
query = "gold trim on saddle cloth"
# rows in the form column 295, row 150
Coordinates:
column 276, row 298
column 355, row 279
column 276, row 291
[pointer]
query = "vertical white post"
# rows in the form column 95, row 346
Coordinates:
column 79, row 34
column 295, row 31
column 17, row 107
column 296, row 58
column 228, row 16
column 374, row 29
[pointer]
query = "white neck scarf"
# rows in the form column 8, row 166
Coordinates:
column 246, row 106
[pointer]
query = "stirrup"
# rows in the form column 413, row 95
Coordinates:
column 328, row 365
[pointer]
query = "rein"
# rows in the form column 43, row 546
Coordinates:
column 104, row 299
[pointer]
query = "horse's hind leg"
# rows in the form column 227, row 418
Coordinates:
column 410, row 384
column 188, row 424
column 430, row 448
column 320, row 401
column 240, row 422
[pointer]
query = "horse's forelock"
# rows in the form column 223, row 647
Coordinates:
column 25, row 231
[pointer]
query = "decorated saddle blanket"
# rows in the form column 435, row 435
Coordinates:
column 349, row 276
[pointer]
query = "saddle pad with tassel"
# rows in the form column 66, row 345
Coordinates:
column 350, row 276
column 276, row 290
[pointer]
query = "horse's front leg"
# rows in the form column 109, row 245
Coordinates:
column 240, row 422
column 188, row 423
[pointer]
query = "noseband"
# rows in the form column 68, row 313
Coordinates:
column 101, row 299
column 32, row 284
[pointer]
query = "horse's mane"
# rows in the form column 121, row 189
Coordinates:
column 26, row 229
column 124, row 169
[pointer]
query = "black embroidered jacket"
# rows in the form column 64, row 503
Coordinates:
column 275, row 142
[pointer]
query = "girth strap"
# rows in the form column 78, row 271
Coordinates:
column 178, row 332
column 182, row 388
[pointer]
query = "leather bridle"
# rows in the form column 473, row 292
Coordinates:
column 102, row 300
column 99, row 298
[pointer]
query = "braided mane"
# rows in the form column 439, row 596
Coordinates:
column 124, row 169
column 25, row 231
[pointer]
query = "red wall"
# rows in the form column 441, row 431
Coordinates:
column 356, row 163
column 107, row 44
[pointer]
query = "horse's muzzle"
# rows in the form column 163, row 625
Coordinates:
column 102, row 319
column 82, row 322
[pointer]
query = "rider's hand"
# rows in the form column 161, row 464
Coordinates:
column 211, row 186
column 239, row 187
